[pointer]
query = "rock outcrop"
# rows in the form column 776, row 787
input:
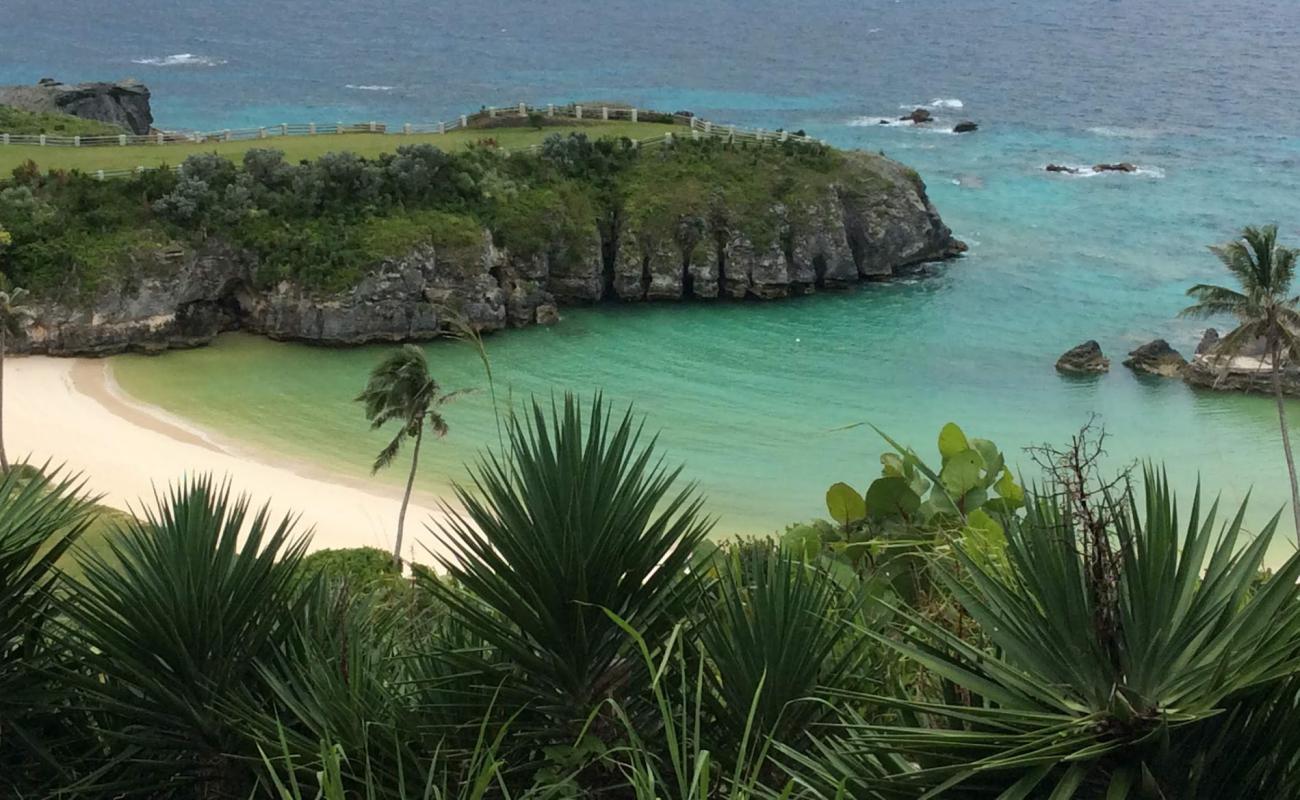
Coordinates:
column 965, row 126
column 917, row 117
column 124, row 103
column 1085, row 359
column 1208, row 341
column 870, row 220
column 1157, row 358
column 1120, row 167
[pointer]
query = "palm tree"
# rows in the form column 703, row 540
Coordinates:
column 1266, row 310
column 401, row 388
column 11, row 316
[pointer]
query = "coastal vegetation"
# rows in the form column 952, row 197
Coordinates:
column 20, row 122
column 950, row 631
column 323, row 222
column 12, row 314
column 298, row 148
column 1268, row 313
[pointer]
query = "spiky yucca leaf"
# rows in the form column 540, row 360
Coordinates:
column 1064, row 704
column 41, row 515
column 782, row 624
column 577, row 516
column 171, row 628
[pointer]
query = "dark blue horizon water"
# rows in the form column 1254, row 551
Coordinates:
column 1201, row 95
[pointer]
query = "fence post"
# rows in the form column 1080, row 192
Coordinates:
column 6, row 138
column 464, row 121
column 604, row 113
column 708, row 127
column 523, row 110
column 406, row 128
column 550, row 109
column 634, row 114
column 785, row 136
column 98, row 173
column 695, row 133
column 577, row 112
column 668, row 137
column 121, row 140
column 338, row 127
column 161, row 139
column 442, row 127
column 372, row 126
column 311, row 129
column 225, row 136
column 284, row 129
column 261, row 133
column 492, row 111
column 76, row 141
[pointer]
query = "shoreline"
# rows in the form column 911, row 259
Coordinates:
column 71, row 412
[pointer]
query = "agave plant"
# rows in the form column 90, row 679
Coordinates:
column 577, row 517
column 781, row 624
column 1107, row 682
column 171, row 625
column 41, row 516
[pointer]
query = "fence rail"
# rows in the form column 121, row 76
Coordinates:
column 697, row 128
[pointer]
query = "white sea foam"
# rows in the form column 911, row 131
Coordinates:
column 180, row 60
column 935, row 126
column 1115, row 132
column 938, row 102
column 373, row 87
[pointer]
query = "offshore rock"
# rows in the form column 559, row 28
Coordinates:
column 1085, row 359
column 1157, row 358
column 124, row 104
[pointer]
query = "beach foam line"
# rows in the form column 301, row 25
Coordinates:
column 374, row 87
column 71, row 412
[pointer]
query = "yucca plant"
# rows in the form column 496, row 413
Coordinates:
column 41, row 516
column 577, row 516
column 171, row 626
column 783, row 624
column 1098, row 682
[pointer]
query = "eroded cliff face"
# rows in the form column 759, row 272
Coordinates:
column 125, row 103
column 871, row 221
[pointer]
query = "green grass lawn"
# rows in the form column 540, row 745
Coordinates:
column 89, row 159
column 13, row 120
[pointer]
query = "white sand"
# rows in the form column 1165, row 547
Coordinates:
column 70, row 412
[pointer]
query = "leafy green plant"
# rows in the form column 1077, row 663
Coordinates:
column 576, row 516
column 41, row 517
column 170, row 626
column 778, row 638
column 1118, row 644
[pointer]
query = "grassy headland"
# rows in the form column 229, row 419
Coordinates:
column 13, row 120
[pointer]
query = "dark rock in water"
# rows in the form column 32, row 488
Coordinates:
column 1209, row 340
column 965, row 126
column 1086, row 359
column 1123, row 166
column 683, row 114
column 917, row 117
column 1061, row 168
column 1157, row 358
column 125, row 104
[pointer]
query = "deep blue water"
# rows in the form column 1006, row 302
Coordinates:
column 1201, row 95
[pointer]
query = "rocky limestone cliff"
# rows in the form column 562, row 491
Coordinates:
column 124, row 103
column 857, row 229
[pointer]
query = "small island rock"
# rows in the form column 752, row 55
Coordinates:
column 1085, row 359
column 917, row 117
column 965, row 126
column 1209, row 340
column 1157, row 358
column 1123, row 166
column 1062, row 168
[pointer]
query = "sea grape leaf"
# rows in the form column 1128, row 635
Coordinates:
column 1009, row 490
column 961, row 472
column 892, row 497
column 804, row 541
column 952, row 441
column 845, row 505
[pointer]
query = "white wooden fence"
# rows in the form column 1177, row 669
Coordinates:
column 696, row 129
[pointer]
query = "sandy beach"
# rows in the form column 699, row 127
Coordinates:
column 70, row 412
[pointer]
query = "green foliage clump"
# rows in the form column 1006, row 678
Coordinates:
column 358, row 567
column 31, row 123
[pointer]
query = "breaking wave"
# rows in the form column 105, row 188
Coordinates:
column 180, row 60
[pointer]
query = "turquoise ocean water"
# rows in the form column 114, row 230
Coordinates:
column 1200, row 95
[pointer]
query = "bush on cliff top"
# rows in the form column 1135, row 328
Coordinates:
column 324, row 223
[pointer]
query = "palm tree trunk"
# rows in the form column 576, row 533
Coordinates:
column 4, row 462
column 1286, row 439
column 410, row 482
